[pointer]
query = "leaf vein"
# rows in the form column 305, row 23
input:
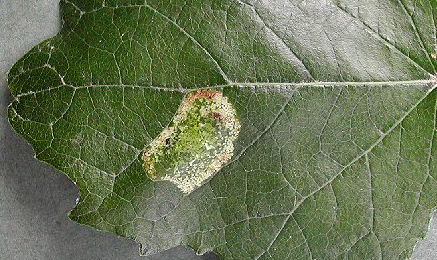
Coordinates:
column 221, row 71
column 416, row 32
column 382, row 38
column 396, row 124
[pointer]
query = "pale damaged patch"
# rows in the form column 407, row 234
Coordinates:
column 198, row 142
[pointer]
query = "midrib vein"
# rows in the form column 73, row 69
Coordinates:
column 333, row 83
column 270, row 85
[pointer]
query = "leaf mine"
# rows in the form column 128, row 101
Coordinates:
column 196, row 144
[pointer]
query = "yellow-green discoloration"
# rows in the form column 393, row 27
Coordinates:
column 196, row 144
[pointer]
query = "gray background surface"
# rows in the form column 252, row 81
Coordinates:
column 35, row 198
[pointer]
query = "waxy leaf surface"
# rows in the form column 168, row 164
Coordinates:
column 336, row 156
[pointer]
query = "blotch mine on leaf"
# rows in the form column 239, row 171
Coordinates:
column 198, row 142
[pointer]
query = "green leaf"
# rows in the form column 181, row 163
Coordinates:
column 335, row 158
